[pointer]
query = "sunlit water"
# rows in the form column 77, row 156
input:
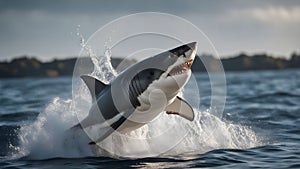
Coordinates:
column 259, row 127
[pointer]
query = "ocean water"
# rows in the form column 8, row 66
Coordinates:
column 260, row 127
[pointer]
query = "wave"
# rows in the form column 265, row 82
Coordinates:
column 274, row 94
column 17, row 116
column 9, row 139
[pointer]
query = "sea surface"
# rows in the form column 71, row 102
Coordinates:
column 259, row 128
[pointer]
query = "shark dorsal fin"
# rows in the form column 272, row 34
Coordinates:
column 95, row 86
column 182, row 108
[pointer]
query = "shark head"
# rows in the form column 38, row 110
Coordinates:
column 166, row 73
column 179, row 72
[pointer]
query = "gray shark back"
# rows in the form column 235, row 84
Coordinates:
column 107, row 104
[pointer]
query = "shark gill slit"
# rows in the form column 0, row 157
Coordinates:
column 135, row 94
column 138, row 85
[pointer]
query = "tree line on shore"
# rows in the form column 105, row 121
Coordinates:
column 31, row 67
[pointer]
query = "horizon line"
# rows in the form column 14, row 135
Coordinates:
column 120, row 57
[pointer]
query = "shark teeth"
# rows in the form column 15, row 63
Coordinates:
column 182, row 68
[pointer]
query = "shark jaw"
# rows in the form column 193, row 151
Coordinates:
column 177, row 74
column 181, row 68
column 183, row 64
column 171, row 81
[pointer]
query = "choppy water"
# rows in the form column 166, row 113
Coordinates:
column 260, row 126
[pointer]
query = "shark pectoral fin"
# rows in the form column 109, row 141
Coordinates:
column 182, row 108
column 94, row 85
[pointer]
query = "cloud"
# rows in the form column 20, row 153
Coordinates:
column 271, row 14
column 274, row 14
column 47, row 28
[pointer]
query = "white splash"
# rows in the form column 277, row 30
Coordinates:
column 47, row 137
column 172, row 135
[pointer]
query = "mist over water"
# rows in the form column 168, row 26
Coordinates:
column 167, row 135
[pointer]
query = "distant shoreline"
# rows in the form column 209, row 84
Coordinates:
column 31, row 67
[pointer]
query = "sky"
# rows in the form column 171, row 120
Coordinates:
column 47, row 29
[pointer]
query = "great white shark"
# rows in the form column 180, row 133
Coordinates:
column 140, row 93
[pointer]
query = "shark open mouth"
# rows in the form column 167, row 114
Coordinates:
column 182, row 68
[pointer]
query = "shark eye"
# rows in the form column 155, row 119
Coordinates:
column 151, row 73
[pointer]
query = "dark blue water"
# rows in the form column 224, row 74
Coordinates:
column 263, row 107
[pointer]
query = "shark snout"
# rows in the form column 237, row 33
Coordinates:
column 185, row 50
column 192, row 45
